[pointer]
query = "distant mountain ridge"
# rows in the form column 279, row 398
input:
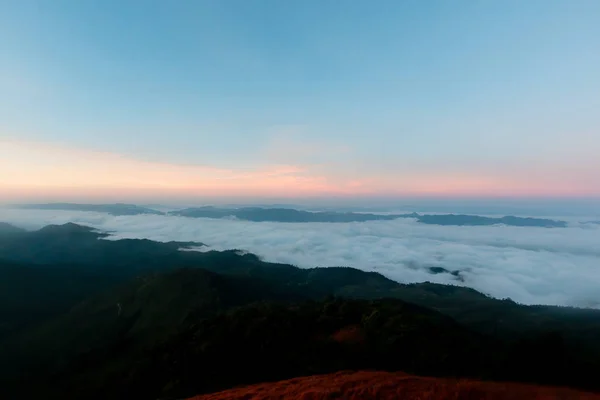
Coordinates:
column 476, row 220
column 291, row 215
column 113, row 209
column 258, row 214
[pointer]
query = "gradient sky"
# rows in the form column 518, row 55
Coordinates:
column 299, row 98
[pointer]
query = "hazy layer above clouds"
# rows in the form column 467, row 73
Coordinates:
column 529, row 265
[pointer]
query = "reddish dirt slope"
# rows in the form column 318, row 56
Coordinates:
column 387, row 386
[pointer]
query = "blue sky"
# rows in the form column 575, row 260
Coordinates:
column 491, row 98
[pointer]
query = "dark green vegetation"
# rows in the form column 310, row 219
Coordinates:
column 113, row 209
column 29, row 294
column 266, row 341
column 72, row 244
column 85, row 317
column 8, row 229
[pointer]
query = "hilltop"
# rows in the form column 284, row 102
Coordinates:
column 8, row 229
column 374, row 385
column 73, row 244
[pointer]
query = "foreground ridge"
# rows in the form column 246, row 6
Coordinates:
column 371, row 385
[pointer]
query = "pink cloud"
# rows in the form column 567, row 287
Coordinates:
column 36, row 169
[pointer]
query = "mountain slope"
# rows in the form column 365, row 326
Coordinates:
column 266, row 341
column 72, row 244
column 8, row 229
column 30, row 293
column 192, row 331
column 114, row 326
column 130, row 330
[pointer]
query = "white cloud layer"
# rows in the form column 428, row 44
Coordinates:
column 529, row 265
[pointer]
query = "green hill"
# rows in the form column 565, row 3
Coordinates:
column 266, row 341
column 30, row 294
column 137, row 313
column 72, row 244
column 8, row 229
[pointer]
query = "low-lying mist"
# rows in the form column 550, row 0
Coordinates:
column 528, row 265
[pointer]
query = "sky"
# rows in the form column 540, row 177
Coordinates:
column 132, row 99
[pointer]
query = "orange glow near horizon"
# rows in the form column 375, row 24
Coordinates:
column 32, row 170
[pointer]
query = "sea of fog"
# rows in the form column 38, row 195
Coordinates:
column 559, row 266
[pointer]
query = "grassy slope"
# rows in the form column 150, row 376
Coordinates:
column 373, row 385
